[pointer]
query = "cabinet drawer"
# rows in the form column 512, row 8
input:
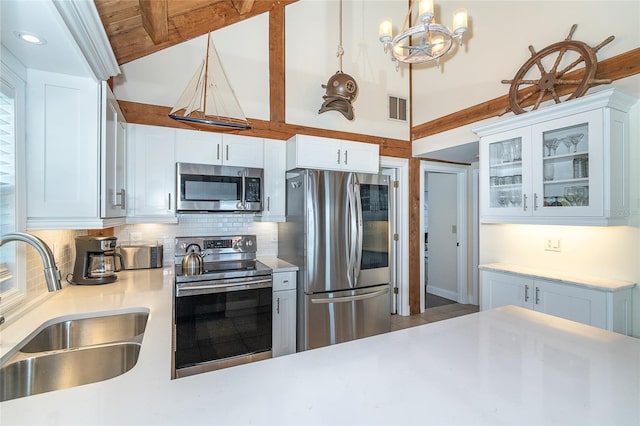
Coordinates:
column 284, row 281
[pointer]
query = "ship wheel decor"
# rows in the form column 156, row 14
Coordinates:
column 553, row 73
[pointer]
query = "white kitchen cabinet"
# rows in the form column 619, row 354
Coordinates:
column 273, row 207
column 606, row 306
column 312, row 152
column 113, row 157
column 284, row 313
column 564, row 164
column 193, row 146
column 75, row 143
column 151, row 197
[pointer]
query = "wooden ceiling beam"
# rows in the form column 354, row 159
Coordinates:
column 242, row 6
column 154, row 14
column 277, row 86
column 615, row 68
column 135, row 42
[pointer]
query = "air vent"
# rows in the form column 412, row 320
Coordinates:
column 397, row 108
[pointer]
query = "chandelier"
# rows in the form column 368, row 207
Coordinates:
column 426, row 41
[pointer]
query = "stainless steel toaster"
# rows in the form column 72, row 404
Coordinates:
column 141, row 256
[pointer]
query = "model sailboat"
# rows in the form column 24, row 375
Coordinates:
column 208, row 100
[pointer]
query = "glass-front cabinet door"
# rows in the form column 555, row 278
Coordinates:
column 506, row 181
column 567, row 166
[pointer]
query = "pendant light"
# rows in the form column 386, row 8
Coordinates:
column 341, row 89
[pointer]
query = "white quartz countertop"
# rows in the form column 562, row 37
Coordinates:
column 278, row 265
column 606, row 284
column 503, row 366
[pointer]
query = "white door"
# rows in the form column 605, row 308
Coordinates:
column 442, row 264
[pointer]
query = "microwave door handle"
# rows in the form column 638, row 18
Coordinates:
column 244, row 186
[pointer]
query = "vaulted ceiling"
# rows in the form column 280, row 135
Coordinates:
column 137, row 28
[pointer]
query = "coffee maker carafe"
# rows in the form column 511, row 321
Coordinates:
column 96, row 260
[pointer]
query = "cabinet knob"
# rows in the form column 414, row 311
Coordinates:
column 345, row 156
column 278, row 306
column 524, row 202
column 537, row 295
column 535, row 201
column 338, row 159
column 526, row 293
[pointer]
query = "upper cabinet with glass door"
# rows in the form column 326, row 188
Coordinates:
column 563, row 164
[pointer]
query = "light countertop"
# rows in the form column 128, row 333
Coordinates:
column 278, row 265
column 605, row 284
column 504, row 366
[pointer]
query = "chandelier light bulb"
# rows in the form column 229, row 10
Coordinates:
column 386, row 30
column 425, row 10
column 460, row 21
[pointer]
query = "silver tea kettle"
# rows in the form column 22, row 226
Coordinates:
column 192, row 262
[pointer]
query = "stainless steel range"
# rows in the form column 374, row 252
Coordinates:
column 222, row 304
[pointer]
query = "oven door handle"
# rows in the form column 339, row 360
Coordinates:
column 209, row 288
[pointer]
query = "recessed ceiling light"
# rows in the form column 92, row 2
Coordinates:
column 29, row 37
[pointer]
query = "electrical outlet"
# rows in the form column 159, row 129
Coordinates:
column 135, row 236
column 552, row 244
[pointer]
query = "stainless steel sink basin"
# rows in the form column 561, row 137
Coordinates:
column 61, row 370
column 90, row 331
column 73, row 352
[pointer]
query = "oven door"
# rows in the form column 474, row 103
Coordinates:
column 222, row 323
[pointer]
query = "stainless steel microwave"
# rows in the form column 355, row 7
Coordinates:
column 208, row 188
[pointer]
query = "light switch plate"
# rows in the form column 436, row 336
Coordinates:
column 552, row 244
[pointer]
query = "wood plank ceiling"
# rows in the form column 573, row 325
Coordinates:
column 137, row 28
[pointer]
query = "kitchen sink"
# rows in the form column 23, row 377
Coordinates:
column 73, row 352
column 90, row 331
column 61, row 370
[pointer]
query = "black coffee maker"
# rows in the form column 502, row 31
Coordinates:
column 95, row 260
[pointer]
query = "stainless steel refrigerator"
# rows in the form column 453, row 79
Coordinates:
column 337, row 232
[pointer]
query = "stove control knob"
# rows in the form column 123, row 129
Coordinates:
column 249, row 243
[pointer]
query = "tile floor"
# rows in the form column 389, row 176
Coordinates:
column 437, row 313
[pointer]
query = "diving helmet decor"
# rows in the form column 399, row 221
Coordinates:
column 341, row 89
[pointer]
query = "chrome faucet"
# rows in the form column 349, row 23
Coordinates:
column 51, row 272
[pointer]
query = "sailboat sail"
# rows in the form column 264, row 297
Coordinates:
column 209, row 100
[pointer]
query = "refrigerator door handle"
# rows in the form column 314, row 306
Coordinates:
column 351, row 227
column 359, row 232
column 351, row 298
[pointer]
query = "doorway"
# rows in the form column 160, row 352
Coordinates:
column 440, row 234
column 443, row 197
column 398, row 170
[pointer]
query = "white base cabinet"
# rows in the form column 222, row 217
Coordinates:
column 75, row 145
column 608, row 307
column 312, row 152
column 284, row 313
column 151, row 174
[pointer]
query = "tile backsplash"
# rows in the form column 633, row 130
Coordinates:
column 63, row 246
column 191, row 225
